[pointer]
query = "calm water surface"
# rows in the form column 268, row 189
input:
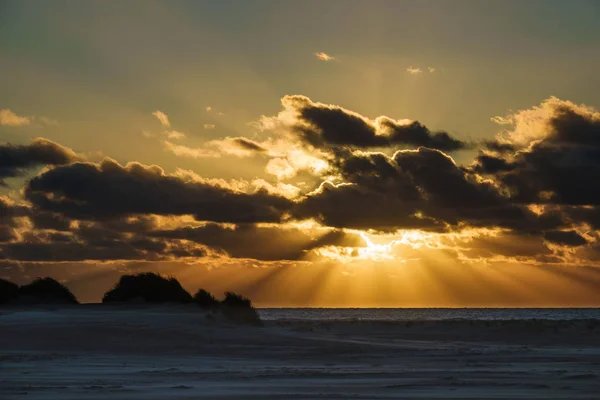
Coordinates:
column 432, row 314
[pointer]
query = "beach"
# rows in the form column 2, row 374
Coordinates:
column 180, row 352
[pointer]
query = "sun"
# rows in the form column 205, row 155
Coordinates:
column 375, row 252
column 375, row 247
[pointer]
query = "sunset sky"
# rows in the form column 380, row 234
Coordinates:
column 305, row 153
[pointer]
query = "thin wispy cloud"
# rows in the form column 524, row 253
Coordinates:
column 236, row 146
column 209, row 108
column 209, row 126
column 9, row 118
column 324, row 56
column 192, row 152
column 48, row 121
column 414, row 71
column 502, row 120
column 176, row 135
column 164, row 121
column 162, row 118
column 417, row 70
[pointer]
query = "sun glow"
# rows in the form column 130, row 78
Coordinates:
column 370, row 251
column 374, row 251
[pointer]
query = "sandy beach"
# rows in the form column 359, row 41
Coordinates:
column 176, row 352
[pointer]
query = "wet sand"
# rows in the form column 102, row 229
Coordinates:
column 176, row 352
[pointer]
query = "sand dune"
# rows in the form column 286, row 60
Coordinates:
column 175, row 352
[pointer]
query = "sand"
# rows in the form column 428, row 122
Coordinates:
column 176, row 352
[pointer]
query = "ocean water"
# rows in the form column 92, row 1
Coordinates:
column 426, row 314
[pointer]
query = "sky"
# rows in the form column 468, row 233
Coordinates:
column 340, row 153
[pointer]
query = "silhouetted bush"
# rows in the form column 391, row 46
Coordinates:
column 45, row 291
column 8, row 291
column 148, row 286
column 239, row 309
column 205, row 300
column 236, row 300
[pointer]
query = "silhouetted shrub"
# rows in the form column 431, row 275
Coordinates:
column 205, row 300
column 239, row 309
column 148, row 286
column 45, row 291
column 8, row 291
column 235, row 300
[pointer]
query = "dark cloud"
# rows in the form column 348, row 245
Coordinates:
column 266, row 243
column 97, row 233
column 9, row 210
column 15, row 160
column 97, row 191
column 133, row 224
column 248, row 144
column 51, row 237
column 566, row 238
column 9, row 219
column 144, row 238
column 499, row 146
column 322, row 125
column 536, row 186
column 587, row 214
column 489, row 164
column 7, row 233
column 421, row 189
column 356, row 207
column 14, row 216
column 560, row 164
column 96, row 243
column 416, row 134
column 69, row 251
column 48, row 220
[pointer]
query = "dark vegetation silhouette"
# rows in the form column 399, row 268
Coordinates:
column 234, row 306
column 154, row 288
column 8, row 291
column 147, row 287
column 239, row 309
column 45, row 291
column 236, row 301
column 206, row 300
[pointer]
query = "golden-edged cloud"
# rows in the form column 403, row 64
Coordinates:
column 9, row 118
column 162, row 118
column 322, row 56
column 176, row 135
column 418, row 71
column 166, row 123
column 414, row 71
column 529, row 197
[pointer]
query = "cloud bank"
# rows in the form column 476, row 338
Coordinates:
column 338, row 187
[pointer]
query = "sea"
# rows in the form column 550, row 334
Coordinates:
column 426, row 314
